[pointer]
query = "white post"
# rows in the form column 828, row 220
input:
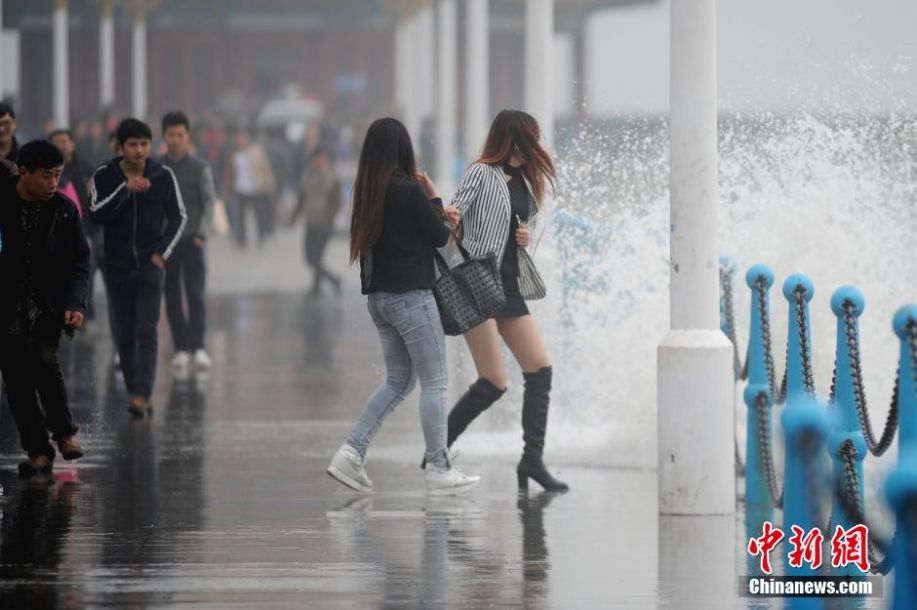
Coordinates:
column 404, row 72
column 139, row 89
column 477, row 54
column 695, row 384
column 423, row 53
column 446, row 106
column 61, row 65
column 107, row 55
column 2, row 57
column 539, row 68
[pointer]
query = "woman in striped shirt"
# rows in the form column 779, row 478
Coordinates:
column 497, row 201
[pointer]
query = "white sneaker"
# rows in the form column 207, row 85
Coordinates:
column 449, row 482
column 348, row 469
column 202, row 360
column 181, row 361
column 116, row 361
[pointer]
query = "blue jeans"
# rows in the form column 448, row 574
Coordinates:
column 414, row 348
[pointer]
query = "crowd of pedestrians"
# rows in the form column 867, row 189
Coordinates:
column 143, row 216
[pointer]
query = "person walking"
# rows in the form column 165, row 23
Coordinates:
column 186, row 269
column 250, row 182
column 44, row 278
column 319, row 198
column 78, row 174
column 393, row 232
column 9, row 145
column 497, row 202
column 138, row 202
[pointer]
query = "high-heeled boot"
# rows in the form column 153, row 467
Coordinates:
column 477, row 399
column 535, row 401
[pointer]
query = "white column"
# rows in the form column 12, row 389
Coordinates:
column 446, row 105
column 139, row 89
column 695, row 384
column 477, row 73
column 423, row 54
column 3, row 70
column 402, row 68
column 539, row 69
column 61, row 91
column 107, row 54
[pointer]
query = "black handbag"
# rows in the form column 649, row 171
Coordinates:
column 468, row 294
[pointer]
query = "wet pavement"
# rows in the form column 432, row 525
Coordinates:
column 220, row 499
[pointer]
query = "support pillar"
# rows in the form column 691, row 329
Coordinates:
column 107, row 54
column 61, row 95
column 446, row 105
column 477, row 75
column 695, row 376
column 539, row 66
column 3, row 69
column 139, row 72
column 423, row 50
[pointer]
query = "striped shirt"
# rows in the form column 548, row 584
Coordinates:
column 483, row 203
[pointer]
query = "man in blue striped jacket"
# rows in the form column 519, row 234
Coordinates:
column 138, row 203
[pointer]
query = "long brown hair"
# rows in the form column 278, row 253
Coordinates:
column 517, row 132
column 386, row 149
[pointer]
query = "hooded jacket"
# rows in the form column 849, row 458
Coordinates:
column 137, row 225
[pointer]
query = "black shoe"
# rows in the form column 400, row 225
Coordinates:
column 477, row 399
column 534, row 468
column 535, row 401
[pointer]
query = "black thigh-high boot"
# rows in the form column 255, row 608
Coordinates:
column 535, row 403
column 479, row 396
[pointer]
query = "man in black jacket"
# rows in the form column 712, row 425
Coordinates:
column 79, row 173
column 44, row 276
column 186, row 270
column 137, row 201
column 9, row 145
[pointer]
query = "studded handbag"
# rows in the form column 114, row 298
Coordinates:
column 469, row 293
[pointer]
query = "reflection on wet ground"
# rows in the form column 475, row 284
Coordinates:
column 220, row 499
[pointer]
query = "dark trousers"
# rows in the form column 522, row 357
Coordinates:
column 31, row 371
column 185, row 278
column 262, row 206
column 135, row 298
column 317, row 237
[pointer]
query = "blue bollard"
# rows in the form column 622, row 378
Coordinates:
column 905, row 320
column 901, row 487
column 805, row 426
column 844, row 419
column 756, row 486
column 799, row 341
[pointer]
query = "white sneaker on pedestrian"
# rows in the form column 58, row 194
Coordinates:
column 180, row 361
column 449, row 482
column 348, row 469
column 116, row 361
column 202, row 360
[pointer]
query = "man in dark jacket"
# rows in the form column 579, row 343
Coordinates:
column 44, row 276
column 186, row 270
column 79, row 173
column 9, row 145
column 137, row 201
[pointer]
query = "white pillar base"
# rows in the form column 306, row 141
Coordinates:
column 696, row 424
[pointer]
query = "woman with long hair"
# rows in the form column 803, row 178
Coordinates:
column 497, row 202
column 393, row 232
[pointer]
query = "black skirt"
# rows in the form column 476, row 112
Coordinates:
column 515, row 306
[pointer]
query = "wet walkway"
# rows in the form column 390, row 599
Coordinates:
column 220, row 499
